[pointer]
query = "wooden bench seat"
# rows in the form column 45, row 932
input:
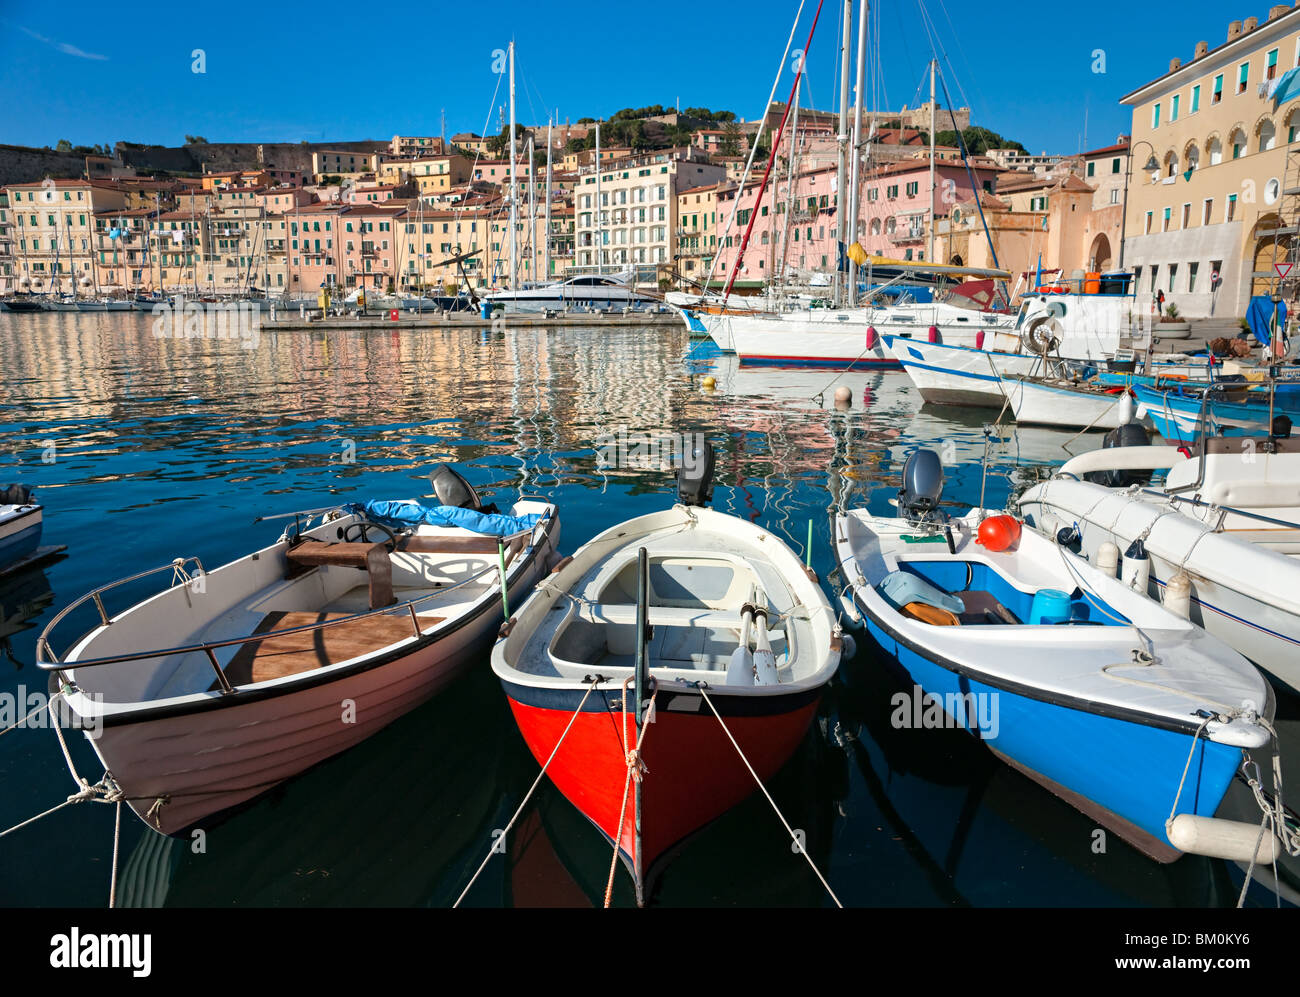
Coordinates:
column 370, row 557
column 290, row 654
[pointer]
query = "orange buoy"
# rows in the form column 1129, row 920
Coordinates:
column 999, row 533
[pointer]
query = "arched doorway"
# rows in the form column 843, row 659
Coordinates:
column 1264, row 249
column 1099, row 257
column 956, row 261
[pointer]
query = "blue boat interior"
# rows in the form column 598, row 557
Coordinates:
column 984, row 591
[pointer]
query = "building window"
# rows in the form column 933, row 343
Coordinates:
column 1173, row 107
column 1147, row 230
column 1270, row 71
column 1155, row 116
column 1196, row 98
column 1232, row 208
column 1165, row 222
column 1218, row 90
column 1114, row 165
column 1207, row 211
column 1243, row 77
column 1173, row 272
column 1191, row 276
column 1187, row 215
column 1114, row 196
column 1155, row 277
column 1092, row 169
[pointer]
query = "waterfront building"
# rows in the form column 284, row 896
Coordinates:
column 1207, row 223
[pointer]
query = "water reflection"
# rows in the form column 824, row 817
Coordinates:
column 144, row 449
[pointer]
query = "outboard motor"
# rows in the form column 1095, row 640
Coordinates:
column 695, row 474
column 922, row 489
column 15, row 495
column 1131, row 434
column 451, row 488
column 1281, row 427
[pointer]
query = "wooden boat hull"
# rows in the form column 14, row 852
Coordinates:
column 183, row 763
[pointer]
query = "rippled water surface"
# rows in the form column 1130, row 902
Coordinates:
column 146, row 449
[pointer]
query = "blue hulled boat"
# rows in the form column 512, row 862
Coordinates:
column 1119, row 706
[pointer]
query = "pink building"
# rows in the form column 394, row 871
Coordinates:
column 809, row 235
column 894, row 202
column 370, row 237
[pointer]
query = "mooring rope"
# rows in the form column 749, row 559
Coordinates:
column 595, row 680
column 635, row 769
column 793, row 837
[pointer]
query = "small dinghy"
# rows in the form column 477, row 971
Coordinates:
column 615, row 666
column 20, row 524
column 227, row 682
column 1117, row 705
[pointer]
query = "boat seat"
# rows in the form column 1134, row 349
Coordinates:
column 456, row 545
column 370, row 557
column 666, row 616
column 277, row 657
column 983, row 607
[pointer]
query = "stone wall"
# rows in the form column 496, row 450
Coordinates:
column 22, row 164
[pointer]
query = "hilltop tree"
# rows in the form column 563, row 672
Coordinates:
column 976, row 140
column 195, row 140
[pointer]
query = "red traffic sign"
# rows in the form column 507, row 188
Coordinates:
column 1283, row 269
column 393, row 315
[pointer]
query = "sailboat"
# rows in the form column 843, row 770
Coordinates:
column 847, row 333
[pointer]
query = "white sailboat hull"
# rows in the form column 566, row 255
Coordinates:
column 1241, row 592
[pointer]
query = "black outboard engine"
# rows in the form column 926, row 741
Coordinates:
column 1131, row 434
column 1281, row 427
column 918, row 499
column 451, row 488
column 695, row 474
column 15, row 495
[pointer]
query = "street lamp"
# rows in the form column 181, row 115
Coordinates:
column 1150, row 167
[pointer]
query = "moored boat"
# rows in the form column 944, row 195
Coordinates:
column 227, row 682
column 1122, row 708
column 1221, row 530
column 21, row 521
column 633, row 644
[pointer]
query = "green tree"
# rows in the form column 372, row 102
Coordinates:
column 195, row 140
column 63, row 146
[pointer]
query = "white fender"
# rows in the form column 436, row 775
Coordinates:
column 1222, row 839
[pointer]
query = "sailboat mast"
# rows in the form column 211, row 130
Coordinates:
column 514, row 183
column 843, row 139
column 532, row 212
column 855, row 150
column 546, row 240
column 600, row 215
column 930, row 252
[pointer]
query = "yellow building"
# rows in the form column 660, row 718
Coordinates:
column 697, row 225
column 1205, row 224
column 54, row 231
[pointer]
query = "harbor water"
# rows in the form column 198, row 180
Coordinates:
column 146, row 448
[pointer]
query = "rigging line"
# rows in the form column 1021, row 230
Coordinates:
column 960, row 89
column 740, row 187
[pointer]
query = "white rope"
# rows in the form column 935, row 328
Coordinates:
column 793, row 837
column 117, row 838
column 635, row 769
column 596, row 680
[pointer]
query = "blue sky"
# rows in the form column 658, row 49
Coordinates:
column 101, row 72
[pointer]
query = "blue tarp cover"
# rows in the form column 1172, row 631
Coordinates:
column 399, row 513
column 1260, row 317
column 1288, row 88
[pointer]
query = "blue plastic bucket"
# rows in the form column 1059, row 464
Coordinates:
column 1050, row 606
